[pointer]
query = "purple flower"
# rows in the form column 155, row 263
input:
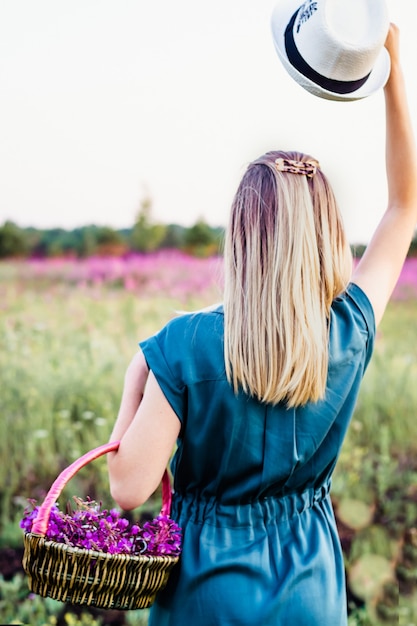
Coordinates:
column 93, row 528
column 162, row 535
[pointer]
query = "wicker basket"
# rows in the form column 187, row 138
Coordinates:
column 89, row 577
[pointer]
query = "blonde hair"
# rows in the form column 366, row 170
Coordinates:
column 285, row 261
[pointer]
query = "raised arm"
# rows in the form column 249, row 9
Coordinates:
column 380, row 267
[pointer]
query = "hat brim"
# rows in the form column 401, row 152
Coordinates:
column 281, row 16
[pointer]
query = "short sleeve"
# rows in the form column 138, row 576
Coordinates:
column 362, row 302
column 159, row 351
column 352, row 327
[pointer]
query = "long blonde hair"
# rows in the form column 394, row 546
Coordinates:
column 285, row 261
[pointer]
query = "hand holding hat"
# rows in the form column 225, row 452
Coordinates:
column 333, row 48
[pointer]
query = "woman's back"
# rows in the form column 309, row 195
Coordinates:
column 234, row 447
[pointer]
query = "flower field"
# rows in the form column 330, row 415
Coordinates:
column 68, row 329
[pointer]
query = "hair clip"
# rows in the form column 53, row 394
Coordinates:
column 306, row 168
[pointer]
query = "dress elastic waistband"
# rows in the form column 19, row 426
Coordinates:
column 270, row 509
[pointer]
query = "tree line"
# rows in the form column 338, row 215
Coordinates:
column 145, row 235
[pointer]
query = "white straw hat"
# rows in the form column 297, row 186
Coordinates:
column 333, row 48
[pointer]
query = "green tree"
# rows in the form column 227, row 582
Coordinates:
column 53, row 242
column 13, row 241
column 85, row 241
column 174, row 237
column 146, row 236
column 202, row 240
column 110, row 241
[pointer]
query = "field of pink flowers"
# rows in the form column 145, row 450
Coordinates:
column 171, row 273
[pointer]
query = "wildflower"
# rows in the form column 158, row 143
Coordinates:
column 93, row 528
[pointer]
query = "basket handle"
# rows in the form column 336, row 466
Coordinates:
column 40, row 525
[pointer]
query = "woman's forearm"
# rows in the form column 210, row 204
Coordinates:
column 401, row 156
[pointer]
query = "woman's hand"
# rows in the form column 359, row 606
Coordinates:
column 392, row 44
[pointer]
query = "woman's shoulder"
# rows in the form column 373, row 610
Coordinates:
column 190, row 345
column 352, row 324
column 190, row 330
column 355, row 302
column 192, row 321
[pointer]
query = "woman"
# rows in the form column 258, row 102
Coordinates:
column 258, row 393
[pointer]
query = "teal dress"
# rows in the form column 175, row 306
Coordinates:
column 252, row 480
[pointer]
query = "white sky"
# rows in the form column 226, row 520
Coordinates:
column 104, row 102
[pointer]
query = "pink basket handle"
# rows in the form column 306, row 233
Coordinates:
column 40, row 525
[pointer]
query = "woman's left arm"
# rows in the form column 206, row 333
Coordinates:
column 147, row 429
column 133, row 390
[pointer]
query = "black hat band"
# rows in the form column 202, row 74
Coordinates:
column 297, row 61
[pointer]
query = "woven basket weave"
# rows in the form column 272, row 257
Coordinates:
column 89, row 577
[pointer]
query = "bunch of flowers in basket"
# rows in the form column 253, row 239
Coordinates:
column 91, row 527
